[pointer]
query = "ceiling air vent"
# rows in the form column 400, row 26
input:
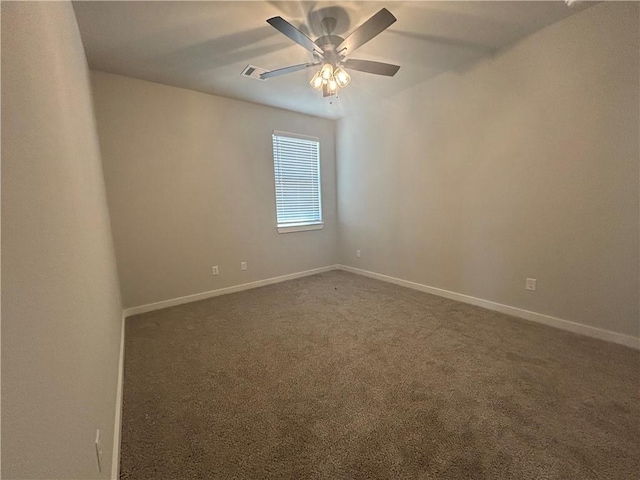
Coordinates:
column 252, row 71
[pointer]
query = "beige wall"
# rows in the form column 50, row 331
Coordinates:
column 523, row 165
column 61, row 312
column 190, row 184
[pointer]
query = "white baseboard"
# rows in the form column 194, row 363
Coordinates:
column 627, row 340
column 223, row 291
column 117, row 429
column 622, row 339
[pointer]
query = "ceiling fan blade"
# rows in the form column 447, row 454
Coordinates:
column 365, row 32
column 285, row 70
column 368, row 66
column 294, row 34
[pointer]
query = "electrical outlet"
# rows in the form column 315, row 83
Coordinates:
column 98, row 451
column 358, row 253
column 530, row 284
column 214, row 270
column 243, row 265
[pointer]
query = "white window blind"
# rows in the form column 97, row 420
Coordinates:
column 296, row 161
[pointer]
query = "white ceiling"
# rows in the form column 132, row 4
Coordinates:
column 204, row 46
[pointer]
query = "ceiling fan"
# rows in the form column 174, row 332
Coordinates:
column 331, row 51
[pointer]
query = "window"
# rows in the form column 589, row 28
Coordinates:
column 296, row 160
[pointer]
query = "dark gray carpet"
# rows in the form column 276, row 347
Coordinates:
column 339, row 376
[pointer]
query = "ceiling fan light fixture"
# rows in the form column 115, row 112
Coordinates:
column 342, row 77
column 327, row 71
column 317, row 81
column 330, row 50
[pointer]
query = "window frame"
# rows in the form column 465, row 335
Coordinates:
column 299, row 226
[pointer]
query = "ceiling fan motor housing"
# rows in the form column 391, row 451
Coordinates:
column 328, row 44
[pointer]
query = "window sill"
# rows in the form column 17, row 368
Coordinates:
column 301, row 228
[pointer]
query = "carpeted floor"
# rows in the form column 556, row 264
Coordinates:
column 339, row 376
